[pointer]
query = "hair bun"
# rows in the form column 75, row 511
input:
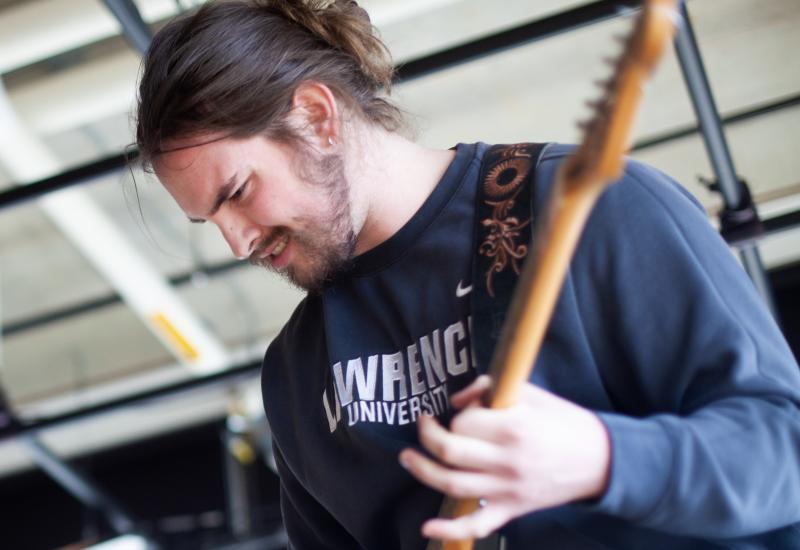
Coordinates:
column 232, row 67
column 345, row 26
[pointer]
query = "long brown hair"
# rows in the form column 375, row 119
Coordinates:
column 233, row 66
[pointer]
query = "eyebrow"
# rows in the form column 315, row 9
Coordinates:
column 222, row 195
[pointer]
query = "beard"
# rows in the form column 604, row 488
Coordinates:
column 324, row 247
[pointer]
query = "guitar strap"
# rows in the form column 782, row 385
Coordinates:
column 502, row 236
column 504, row 212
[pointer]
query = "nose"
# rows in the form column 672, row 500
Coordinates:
column 240, row 234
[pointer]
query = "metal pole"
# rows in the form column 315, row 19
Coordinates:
column 81, row 487
column 84, row 489
column 134, row 27
column 70, row 478
column 741, row 218
column 238, row 455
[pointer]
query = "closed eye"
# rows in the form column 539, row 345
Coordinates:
column 240, row 191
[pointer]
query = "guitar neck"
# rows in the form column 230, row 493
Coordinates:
column 580, row 181
column 534, row 299
column 538, row 288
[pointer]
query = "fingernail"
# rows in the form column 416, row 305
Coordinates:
column 403, row 461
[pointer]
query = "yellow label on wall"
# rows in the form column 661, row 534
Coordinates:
column 173, row 335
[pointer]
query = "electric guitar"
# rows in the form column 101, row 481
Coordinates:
column 598, row 161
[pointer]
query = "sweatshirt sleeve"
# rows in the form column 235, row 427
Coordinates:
column 705, row 427
column 308, row 524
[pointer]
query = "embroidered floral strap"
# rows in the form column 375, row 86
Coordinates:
column 502, row 237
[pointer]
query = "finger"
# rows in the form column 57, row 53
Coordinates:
column 497, row 426
column 533, row 393
column 535, row 396
column 471, row 393
column 477, row 525
column 455, row 483
column 458, row 450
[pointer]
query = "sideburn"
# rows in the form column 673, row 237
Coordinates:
column 330, row 246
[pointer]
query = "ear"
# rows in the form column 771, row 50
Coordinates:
column 316, row 114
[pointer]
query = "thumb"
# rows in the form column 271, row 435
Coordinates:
column 471, row 393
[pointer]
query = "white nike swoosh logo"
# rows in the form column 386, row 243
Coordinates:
column 462, row 291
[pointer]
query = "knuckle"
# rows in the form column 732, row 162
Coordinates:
column 520, row 492
column 481, row 530
column 434, row 445
column 513, row 433
column 515, row 466
column 464, row 422
column 458, row 423
column 451, row 487
column 448, row 454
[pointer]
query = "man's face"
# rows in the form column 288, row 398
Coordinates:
column 282, row 208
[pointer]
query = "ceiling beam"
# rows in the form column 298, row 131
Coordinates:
column 96, row 236
column 539, row 29
column 106, row 166
column 231, row 376
column 34, row 31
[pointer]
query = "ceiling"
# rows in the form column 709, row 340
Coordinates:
column 70, row 81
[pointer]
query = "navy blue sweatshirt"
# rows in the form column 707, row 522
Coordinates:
column 657, row 329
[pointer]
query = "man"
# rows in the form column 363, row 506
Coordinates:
column 663, row 410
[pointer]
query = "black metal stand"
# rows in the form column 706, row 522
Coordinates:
column 134, row 27
column 74, row 481
column 740, row 224
column 238, row 485
column 78, row 485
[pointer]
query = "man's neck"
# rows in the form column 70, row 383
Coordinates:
column 391, row 177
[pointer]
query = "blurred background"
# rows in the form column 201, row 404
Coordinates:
column 130, row 339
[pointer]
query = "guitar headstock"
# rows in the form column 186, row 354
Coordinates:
column 606, row 135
